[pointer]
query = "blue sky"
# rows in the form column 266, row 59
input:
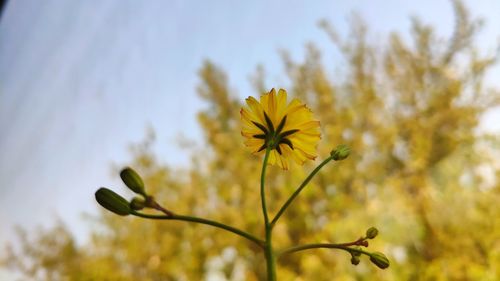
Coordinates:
column 82, row 80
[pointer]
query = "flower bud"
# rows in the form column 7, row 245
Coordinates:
column 355, row 260
column 371, row 233
column 112, row 201
column 133, row 181
column 341, row 152
column 137, row 203
column 379, row 260
column 358, row 252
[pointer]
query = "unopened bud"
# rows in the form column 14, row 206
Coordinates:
column 138, row 203
column 355, row 260
column 379, row 260
column 371, row 233
column 133, row 181
column 341, row 152
column 112, row 201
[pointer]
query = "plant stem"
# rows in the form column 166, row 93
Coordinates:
column 160, row 208
column 299, row 189
column 268, row 247
column 234, row 230
column 269, row 253
column 262, row 184
column 322, row 245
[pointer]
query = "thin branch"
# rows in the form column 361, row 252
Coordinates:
column 202, row 221
column 299, row 189
column 322, row 245
column 158, row 207
column 262, row 184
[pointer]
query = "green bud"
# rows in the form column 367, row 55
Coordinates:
column 112, row 201
column 355, row 260
column 138, row 203
column 133, row 181
column 379, row 260
column 371, row 233
column 340, row 152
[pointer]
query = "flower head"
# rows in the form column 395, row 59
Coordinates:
column 288, row 129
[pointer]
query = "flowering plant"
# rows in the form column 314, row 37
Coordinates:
column 281, row 131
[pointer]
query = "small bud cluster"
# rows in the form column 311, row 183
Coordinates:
column 377, row 258
column 113, row 202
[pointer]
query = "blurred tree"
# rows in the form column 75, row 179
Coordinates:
column 421, row 172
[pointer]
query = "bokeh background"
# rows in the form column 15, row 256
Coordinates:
column 90, row 86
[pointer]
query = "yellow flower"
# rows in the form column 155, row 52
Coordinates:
column 288, row 129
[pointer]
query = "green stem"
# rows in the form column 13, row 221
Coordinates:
column 262, row 184
column 269, row 253
column 322, row 245
column 268, row 248
column 203, row 221
column 299, row 189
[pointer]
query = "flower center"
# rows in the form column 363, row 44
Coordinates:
column 274, row 137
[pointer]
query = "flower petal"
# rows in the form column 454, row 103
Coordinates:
column 256, row 109
column 299, row 134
